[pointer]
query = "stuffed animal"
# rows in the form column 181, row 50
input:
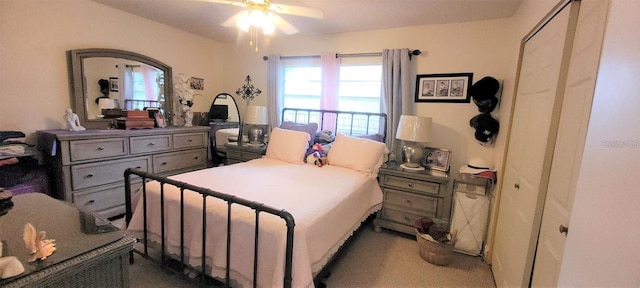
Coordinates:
column 316, row 156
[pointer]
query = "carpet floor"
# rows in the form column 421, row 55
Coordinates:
column 384, row 259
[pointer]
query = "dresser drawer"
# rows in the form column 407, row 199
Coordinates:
column 410, row 200
column 103, row 198
column 178, row 160
column 403, row 217
column 148, row 144
column 189, row 140
column 410, row 184
column 97, row 148
column 94, row 174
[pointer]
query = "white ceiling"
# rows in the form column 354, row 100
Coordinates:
column 204, row 18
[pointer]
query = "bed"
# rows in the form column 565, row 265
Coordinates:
column 286, row 219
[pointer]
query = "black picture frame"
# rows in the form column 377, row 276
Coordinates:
column 452, row 87
column 114, row 84
column 437, row 159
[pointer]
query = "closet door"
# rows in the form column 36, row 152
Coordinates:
column 572, row 130
column 538, row 99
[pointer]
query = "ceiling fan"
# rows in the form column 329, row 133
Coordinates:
column 262, row 14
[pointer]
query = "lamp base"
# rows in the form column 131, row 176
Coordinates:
column 411, row 167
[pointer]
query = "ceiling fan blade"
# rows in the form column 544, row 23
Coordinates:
column 229, row 2
column 285, row 26
column 297, row 10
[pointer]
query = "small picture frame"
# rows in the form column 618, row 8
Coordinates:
column 436, row 159
column 114, row 85
column 160, row 121
column 196, row 83
column 444, row 87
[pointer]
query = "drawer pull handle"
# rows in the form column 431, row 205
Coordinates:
column 517, row 186
column 138, row 167
column 163, row 163
column 196, row 157
column 90, row 202
column 100, row 148
column 410, row 185
column 409, row 201
column 152, row 144
column 190, row 140
column 89, row 175
column 406, row 219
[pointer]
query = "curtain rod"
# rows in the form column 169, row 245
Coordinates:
column 129, row 66
column 338, row 55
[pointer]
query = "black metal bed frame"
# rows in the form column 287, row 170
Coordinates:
column 230, row 199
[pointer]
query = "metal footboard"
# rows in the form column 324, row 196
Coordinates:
column 230, row 199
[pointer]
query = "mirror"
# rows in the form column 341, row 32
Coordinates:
column 109, row 78
column 219, row 102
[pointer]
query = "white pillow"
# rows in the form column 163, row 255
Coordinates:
column 359, row 154
column 287, row 145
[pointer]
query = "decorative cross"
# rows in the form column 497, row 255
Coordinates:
column 248, row 91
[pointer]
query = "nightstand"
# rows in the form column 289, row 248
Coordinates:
column 411, row 195
column 243, row 152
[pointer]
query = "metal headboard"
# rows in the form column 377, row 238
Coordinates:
column 346, row 122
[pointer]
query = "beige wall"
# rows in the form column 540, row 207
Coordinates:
column 478, row 47
column 35, row 35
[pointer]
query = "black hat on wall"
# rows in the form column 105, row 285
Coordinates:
column 484, row 88
column 487, row 105
column 486, row 127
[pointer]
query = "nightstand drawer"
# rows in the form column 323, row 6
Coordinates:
column 99, row 173
column 410, row 184
column 404, row 217
column 411, row 200
column 178, row 160
column 189, row 140
column 98, row 148
column 150, row 144
column 242, row 155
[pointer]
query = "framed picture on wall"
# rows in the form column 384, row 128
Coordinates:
column 444, row 87
column 113, row 84
column 436, row 159
column 197, row 83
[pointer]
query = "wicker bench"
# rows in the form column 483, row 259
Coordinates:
column 90, row 251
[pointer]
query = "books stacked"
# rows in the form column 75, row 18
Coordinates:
column 135, row 120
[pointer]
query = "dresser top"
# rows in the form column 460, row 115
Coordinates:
column 63, row 134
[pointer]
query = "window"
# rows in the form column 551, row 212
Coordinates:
column 359, row 88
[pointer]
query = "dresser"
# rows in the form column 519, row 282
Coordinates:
column 244, row 152
column 411, row 195
column 87, row 167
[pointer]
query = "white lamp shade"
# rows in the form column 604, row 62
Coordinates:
column 256, row 115
column 414, row 128
column 106, row 103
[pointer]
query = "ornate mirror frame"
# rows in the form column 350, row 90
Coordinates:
column 77, row 81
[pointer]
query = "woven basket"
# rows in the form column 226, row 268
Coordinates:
column 435, row 252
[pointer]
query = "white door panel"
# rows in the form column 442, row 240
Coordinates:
column 570, row 140
column 534, row 120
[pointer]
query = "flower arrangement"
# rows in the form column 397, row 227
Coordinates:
column 182, row 89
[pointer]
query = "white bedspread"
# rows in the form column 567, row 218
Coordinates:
column 328, row 203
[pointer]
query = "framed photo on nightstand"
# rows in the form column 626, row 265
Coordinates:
column 436, row 159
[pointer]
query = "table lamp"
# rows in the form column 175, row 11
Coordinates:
column 413, row 130
column 106, row 103
column 256, row 117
